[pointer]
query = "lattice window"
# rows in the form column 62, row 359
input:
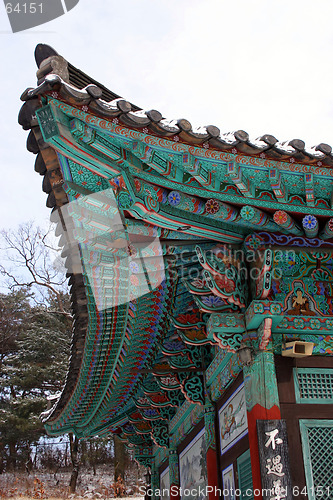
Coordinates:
column 245, row 476
column 313, row 385
column 317, row 443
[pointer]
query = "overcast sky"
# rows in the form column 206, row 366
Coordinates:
column 260, row 66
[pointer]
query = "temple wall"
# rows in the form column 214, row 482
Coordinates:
column 305, row 402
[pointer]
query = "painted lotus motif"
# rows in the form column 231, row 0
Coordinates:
column 212, row 206
column 199, row 283
column 174, row 198
column 134, row 267
column 224, row 283
column 212, row 301
column 187, row 319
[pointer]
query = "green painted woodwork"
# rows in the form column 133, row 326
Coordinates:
column 173, row 466
column 160, row 434
column 317, row 444
column 260, row 381
column 144, row 455
column 123, row 138
column 209, row 420
column 244, row 471
column 160, row 455
column 83, row 421
column 225, row 377
column 48, row 123
column 259, row 310
column 217, row 366
column 186, row 418
column 313, row 385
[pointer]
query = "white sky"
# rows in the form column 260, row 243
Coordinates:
column 261, row 66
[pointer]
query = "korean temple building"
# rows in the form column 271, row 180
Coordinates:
column 201, row 275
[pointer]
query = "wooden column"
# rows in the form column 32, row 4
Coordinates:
column 211, row 458
column 154, row 480
column 262, row 399
column 174, row 474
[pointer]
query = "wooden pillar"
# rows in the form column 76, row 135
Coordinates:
column 262, row 400
column 211, row 458
column 174, row 474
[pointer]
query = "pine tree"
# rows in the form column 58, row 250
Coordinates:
column 33, row 365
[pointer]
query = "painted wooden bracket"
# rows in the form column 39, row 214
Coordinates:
column 263, row 280
column 244, row 185
column 309, row 190
column 278, row 186
column 227, row 330
column 150, row 157
column 258, row 310
column 204, row 176
column 266, row 333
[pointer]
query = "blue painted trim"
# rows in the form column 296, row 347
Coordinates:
column 219, row 367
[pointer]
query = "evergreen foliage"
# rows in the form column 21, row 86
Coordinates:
column 34, row 350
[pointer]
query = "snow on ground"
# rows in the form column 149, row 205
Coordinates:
column 50, row 486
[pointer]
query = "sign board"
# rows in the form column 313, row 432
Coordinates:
column 274, row 460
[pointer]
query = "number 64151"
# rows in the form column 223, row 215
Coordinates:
column 24, row 8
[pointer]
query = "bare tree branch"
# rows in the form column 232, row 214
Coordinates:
column 30, row 255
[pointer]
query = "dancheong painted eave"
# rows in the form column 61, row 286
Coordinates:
column 196, row 196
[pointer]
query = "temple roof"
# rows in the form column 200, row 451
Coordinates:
column 82, row 90
column 183, row 200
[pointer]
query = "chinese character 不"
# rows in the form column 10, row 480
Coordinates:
column 272, row 435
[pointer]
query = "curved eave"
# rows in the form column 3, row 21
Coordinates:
column 106, row 386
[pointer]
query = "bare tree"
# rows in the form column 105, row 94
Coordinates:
column 32, row 260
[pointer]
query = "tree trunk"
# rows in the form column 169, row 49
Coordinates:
column 92, row 456
column 12, row 456
column 66, row 455
column 35, row 457
column 74, row 447
column 83, row 453
column 28, row 464
column 119, row 459
column 2, row 453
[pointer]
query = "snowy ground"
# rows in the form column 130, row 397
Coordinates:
column 55, row 487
